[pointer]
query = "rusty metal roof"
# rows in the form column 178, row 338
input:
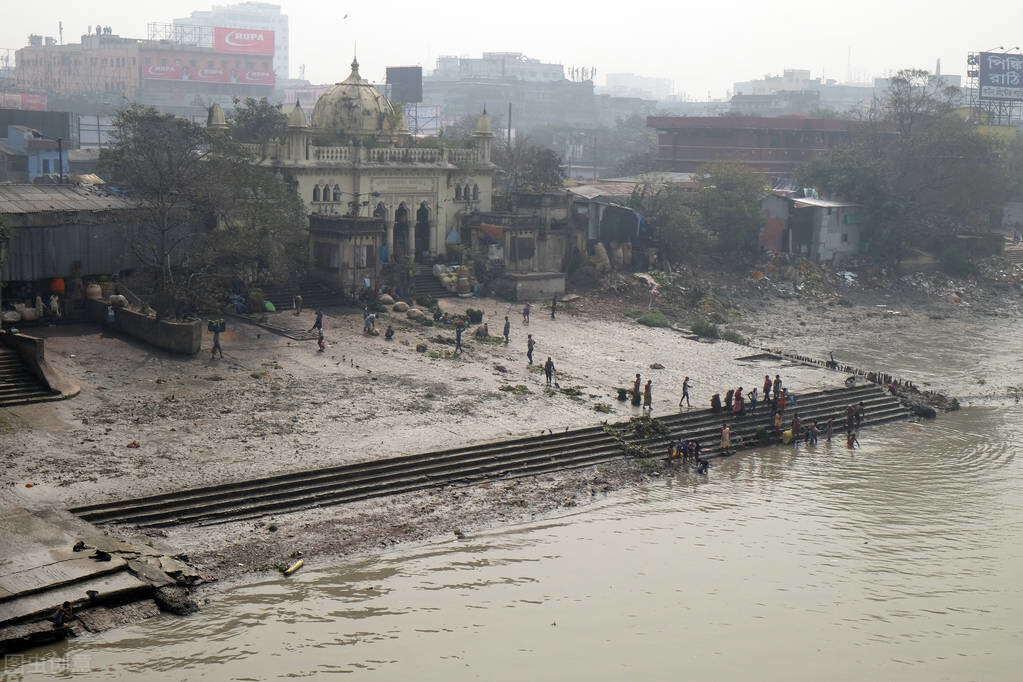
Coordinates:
column 19, row 198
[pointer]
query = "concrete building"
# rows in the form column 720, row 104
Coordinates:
column 254, row 15
column 371, row 197
column 633, row 85
column 43, row 155
column 101, row 64
column 822, row 230
column 772, row 146
column 104, row 71
column 498, row 66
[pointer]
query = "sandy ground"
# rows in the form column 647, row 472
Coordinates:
column 274, row 405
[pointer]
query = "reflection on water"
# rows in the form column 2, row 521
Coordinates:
column 900, row 560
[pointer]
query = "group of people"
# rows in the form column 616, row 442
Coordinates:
column 688, row 451
column 647, row 393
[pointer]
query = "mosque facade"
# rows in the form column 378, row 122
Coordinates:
column 371, row 196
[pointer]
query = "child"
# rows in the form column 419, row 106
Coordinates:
column 319, row 341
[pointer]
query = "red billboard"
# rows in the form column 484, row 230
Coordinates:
column 243, row 40
column 24, row 101
column 205, row 67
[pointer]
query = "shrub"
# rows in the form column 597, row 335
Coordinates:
column 425, row 321
column 654, row 318
column 474, row 316
column 634, row 314
column 705, row 328
column 734, row 337
column 426, row 301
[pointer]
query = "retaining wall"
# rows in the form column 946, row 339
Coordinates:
column 176, row 337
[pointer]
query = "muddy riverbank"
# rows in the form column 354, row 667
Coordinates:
column 275, row 405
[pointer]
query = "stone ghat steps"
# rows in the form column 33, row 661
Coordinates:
column 18, row 386
column 525, row 456
column 428, row 285
column 314, row 295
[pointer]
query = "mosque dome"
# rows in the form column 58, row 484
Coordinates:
column 354, row 107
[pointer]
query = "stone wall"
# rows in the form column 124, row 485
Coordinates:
column 176, row 337
column 530, row 286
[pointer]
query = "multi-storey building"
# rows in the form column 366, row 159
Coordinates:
column 252, row 15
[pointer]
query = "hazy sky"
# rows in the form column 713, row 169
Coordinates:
column 703, row 47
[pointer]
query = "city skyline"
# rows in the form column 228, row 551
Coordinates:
column 703, row 52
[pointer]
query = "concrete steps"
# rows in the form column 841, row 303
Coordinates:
column 18, row 386
column 425, row 284
column 314, row 295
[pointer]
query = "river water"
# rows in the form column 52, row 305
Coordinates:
column 897, row 561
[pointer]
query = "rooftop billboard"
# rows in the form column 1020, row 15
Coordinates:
column 243, row 40
column 204, row 67
column 1001, row 76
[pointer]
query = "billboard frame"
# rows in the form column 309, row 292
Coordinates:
column 988, row 110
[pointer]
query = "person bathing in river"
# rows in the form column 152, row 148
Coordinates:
column 726, row 438
column 797, row 427
column 648, row 400
column 850, row 440
column 829, row 430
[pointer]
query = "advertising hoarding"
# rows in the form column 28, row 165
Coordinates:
column 205, row 67
column 23, row 101
column 243, row 40
column 406, row 83
column 1001, row 76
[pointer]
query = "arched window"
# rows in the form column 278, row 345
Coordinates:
column 467, row 192
column 316, row 193
column 458, row 192
column 475, row 192
column 380, row 211
column 337, row 193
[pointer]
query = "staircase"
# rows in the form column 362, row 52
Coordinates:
column 1014, row 254
column 314, row 295
column 425, row 284
column 18, row 386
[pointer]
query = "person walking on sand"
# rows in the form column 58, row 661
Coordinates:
column 648, row 398
column 458, row 336
column 525, row 313
column 530, row 345
column 554, row 306
column 686, row 385
column 321, row 345
column 507, row 330
column 548, row 370
column 216, row 344
column 318, row 324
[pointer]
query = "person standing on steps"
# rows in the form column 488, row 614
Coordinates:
column 686, row 385
column 548, row 370
column 554, row 306
column 767, row 387
column 530, row 345
column 726, row 438
column 648, row 399
column 507, row 330
column 777, row 386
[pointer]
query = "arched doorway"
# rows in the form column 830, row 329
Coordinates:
column 422, row 232
column 401, row 225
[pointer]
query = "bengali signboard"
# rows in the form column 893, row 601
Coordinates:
column 243, row 40
column 1001, row 76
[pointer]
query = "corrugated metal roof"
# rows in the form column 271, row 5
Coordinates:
column 820, row 203
column 49, row 198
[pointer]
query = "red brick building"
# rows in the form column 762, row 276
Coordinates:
column 772, row 146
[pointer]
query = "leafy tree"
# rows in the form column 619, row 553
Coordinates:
column 527, row 166
column 678, row 232
column 729, row 202
column 921, row 172
column 257, row 121
column 205, row 212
